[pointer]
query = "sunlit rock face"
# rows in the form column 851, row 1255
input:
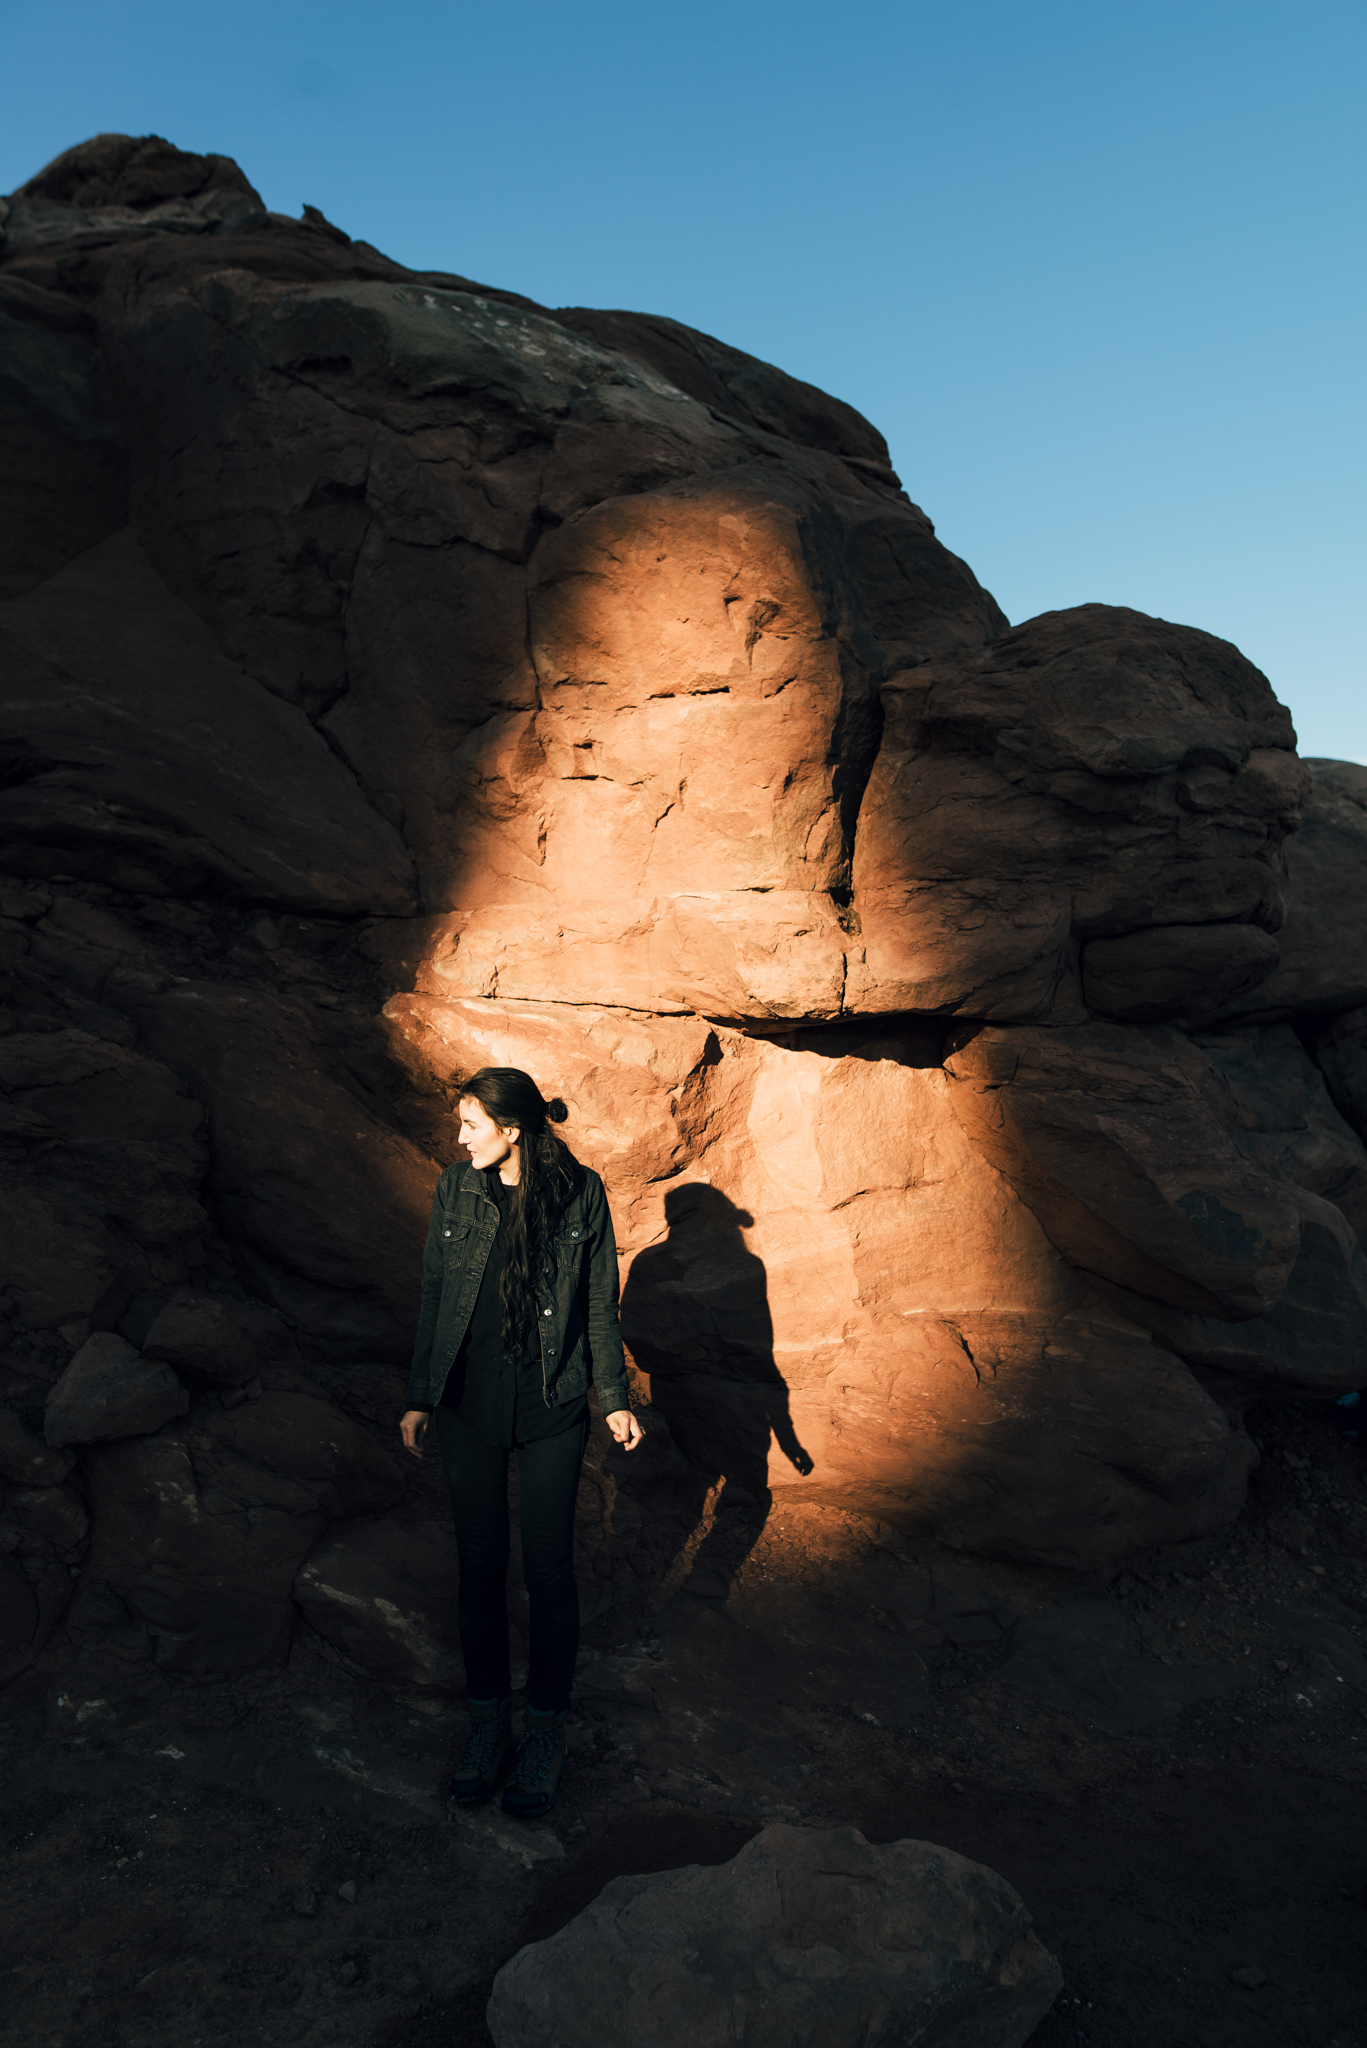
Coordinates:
column 400, row 677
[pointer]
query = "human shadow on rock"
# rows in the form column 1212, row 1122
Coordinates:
column 695, row 1314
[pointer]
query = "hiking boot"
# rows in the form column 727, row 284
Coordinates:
column 538, row 1766
column 486, row 1752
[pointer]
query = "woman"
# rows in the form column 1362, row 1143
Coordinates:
column 519, row 1304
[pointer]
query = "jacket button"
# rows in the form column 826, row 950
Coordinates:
column 448, row 1233
column 545, row 1311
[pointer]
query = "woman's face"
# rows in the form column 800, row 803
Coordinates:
column 488, row 1144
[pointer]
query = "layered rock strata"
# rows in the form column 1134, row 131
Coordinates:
column 399, row 676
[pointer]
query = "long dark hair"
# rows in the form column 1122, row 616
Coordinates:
column 548, row 1173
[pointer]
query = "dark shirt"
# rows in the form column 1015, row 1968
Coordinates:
column 502, row 1399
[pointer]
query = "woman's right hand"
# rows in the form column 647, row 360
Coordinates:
column 413, row 1428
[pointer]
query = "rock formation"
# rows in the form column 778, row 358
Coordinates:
column 968, row 1020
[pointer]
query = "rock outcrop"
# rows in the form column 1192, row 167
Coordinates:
column 398, row 676
column 808, row 1937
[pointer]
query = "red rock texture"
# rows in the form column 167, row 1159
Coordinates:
column 399, row 676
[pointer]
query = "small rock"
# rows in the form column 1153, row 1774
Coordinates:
column 347, row 1891
column 1250, row 1976
column 198, row 1336
column 306, row 1902
column 107, row 1392
column 349, row 1972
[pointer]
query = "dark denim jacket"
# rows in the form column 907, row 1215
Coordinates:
column 576, row 1315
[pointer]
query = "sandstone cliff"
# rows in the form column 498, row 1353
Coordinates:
column 399, row 676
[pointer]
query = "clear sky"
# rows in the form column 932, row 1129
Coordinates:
column 1095, row 267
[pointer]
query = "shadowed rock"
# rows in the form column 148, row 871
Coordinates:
column 1094, row 773
column 202, row 1341
column 108, row 1391
column 158, row 760
column 1175, row 971
column 1341, row 1050
column 1124, row 1144
column 1323, row 941
column 1087, row 1659
column 25, row 1460
column 385, row 1595
column 308, row 1441
column 1286, row 1104
column 808, row 1939
column 198, row 1552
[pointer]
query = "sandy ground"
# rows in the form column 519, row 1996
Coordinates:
column 1171, row 1770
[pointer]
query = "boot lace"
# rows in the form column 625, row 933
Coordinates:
column 535, row 1754
column 481, row 1747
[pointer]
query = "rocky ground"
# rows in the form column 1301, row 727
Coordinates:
column 1172, row 1771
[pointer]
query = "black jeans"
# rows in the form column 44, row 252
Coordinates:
column 548, row 1481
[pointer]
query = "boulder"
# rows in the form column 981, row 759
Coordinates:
column 1312, row 1342
column 1283, row 1098
column 56, row 1515
column 1323, row 940
column 106, row 1185
column 140, row 782
column 108, row 1391
column 129, row 182
column 1341, row 1052
column 64, row 482
column 302, row 1172
column 203, row 1341
column 64, row 1264
column 1175, row 970
column 1124, row 1142
column 25, row 1460
column 1094, row 773
column 384, row 1594
column 201, row 1531
column 808, row 1938
column 200, row 1552
column 308, row 1441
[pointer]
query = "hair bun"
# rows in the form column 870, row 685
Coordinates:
column 556, row 1111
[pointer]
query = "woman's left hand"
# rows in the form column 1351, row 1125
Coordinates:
column 625, row 1428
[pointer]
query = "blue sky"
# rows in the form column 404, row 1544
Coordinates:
column 1096, row 270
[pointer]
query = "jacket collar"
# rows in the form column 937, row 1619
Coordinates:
column 472, row 1182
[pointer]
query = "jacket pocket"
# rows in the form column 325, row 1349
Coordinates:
column 454, row 1234
column 569, row 1248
